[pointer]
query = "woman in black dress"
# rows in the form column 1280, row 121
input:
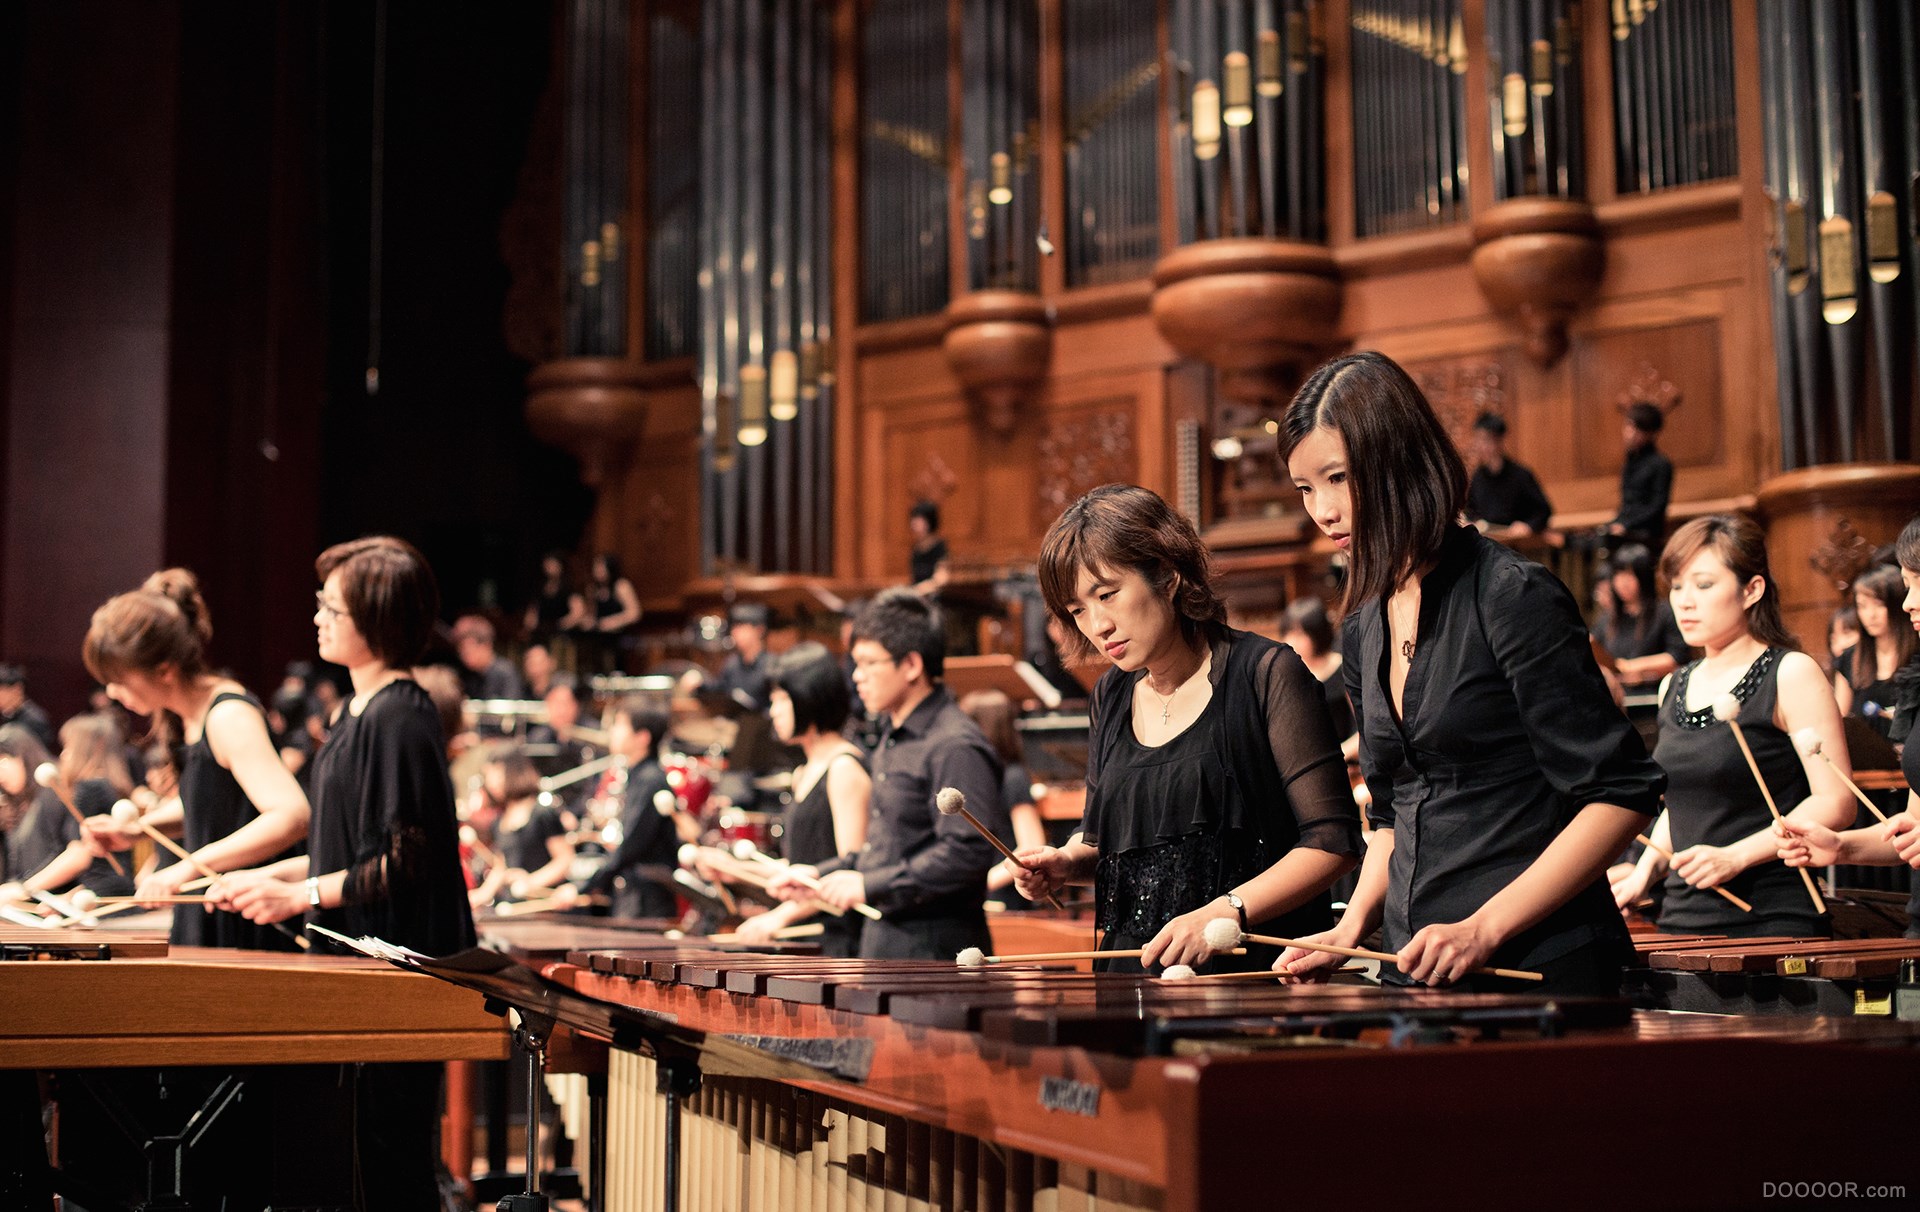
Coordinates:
column 94, row 770
column 1863, row 678
column 1806, row 844
column 831, row 789
column 383, row 856
column 1215, row 786
column 239, row 805
column 1638, row 629
column 1503, row 777
column 1716, row 824
column 34, row 827
column 532, row 836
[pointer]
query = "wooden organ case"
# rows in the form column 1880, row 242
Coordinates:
column 839, row 256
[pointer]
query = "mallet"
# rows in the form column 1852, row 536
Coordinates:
column 1726, row 708
column 953, row 802
column 48, row 775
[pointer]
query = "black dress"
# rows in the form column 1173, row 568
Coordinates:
column 95, row 797
column 810, row 841
column 1712, row 801
column 383, row 813
column 215, row 807
column 923, row 561
column 1622, row 635
column 1874, row 702
column 36, row 837
column 1177, row 825
column 1910, row 766
column 1508, row 733
column 525, row 848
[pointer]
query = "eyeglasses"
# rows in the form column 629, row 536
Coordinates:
column 876, row 662
column 325, row 607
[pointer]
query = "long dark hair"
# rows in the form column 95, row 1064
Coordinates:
column 1884, row 584
column 1636, row 561
column 1406, row 478
column 1742, row 547
column 1118, row 526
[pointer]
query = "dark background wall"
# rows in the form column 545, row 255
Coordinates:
column 185, row 195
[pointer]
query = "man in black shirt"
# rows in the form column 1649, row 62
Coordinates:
column 1503, row 493
column 925, row 872
column 1646, row 479
column 17, row 708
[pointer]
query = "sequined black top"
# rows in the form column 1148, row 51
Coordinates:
column 1258, row 773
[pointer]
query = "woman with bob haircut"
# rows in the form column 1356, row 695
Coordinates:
column 239, row 804
column 1864, row 676
column 831, row 790
column 1503, row 778
column 1215, row 785
column 1896, row 841
column 384, row 852
column 1716, row 824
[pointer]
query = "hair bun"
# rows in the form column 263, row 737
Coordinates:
column 182, row 588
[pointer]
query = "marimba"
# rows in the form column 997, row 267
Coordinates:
column 1777, row 975
column 923, row 1085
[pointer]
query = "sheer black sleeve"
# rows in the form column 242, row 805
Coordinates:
column 407, row 782
column 1307, row 754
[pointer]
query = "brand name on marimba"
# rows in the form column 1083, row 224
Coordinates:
column 1065, row 1094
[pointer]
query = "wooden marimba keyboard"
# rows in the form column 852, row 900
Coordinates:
column 1777, row 975
column 1022, row 1087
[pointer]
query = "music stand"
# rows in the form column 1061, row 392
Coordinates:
column 1009, row 675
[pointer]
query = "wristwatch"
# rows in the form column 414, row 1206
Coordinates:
column 313, row 893
column 1239, row 907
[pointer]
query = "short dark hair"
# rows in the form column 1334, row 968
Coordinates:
column 1906, row 548
column 751, row 614
column 12, row 675
column 643, row 716
column 473, row 627
column 1308, row 616
column 1407, row 481
column 901, row 621
column 815, row 682
column 522, row 776
column 928, row 510
column 1122, row 526
column 1645, row 417
column 1491, row 422
column 390, row 592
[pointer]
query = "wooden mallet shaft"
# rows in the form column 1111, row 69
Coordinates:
column 799, row 930
column 48, row 776
column 1049, row 956
column 299, row 939
column 731, row 868
column 1766, row 793
column 952, row 801
column 1384, row 957
column 1664, row 853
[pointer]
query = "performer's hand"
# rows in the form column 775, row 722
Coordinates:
column 1443, row 953
column 1043, row 871
column 788, row 886
column 1297, row 965
column 758, row 929
column 1181, row 940
column 1902, row 832
column 221, row 892
column 1706, row 866
column 11, row 893
column 271, row 901
column 1629, row 883
column 843, row 889
column 1805, row 843
column 104, row 833
column 565, row 896
column 163, row 883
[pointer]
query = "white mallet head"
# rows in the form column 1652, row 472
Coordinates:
column 688, row 853
column 1807, row 741
column 83, row 899
column 46, row 774
column 1177, row 972
column 1222, row 934
column 1726, row 709
column 125, row 812
column 664, row 802
column 972, row 957
column 744, row 849
column 950, row 801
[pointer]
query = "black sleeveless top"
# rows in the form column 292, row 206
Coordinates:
column 215, row 807
column 1875, row 701
column 1910, row 766
column 550, row 608
column 809, row 839
column 525, row 848
column 1712, row 801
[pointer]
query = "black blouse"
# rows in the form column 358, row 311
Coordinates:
column 383, row 813
column 215, row 807
column 1622, row 635
column 1508, row 733
column 1257, row 774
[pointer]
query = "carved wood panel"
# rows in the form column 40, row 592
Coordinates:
column 1675, row 365
column 1081, row 450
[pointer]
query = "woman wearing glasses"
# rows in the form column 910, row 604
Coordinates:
column 383, row 857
